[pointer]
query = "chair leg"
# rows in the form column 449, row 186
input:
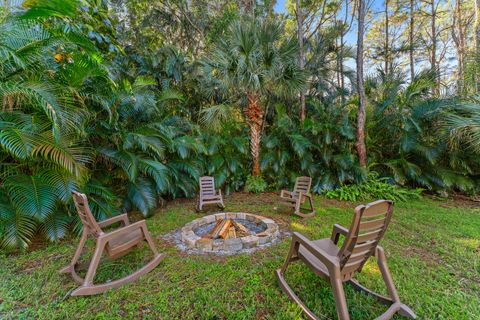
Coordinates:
column 92, row 268
column 291, row 256
column 298, row 206
column 339, row 295
column 78, row 252
column 393, row 300
column 148, row 238
column 403, row 310
column 311, row 204
column 197, row 204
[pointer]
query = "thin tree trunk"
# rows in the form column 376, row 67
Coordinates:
column 360, row 144
column 410, row 39
column 386, row 47
column 301, row 55
column 337, row 72
column 254, row 114
column 433, row 58
column 342, row 46
column 458, row 36
column 477, row 27
column 342, row 72
column 477, row 41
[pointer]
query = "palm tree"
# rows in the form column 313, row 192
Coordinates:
column 409, row 133
column 249, row 63
column 464, row 125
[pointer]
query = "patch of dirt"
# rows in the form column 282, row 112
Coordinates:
column 338, row 203
column 431, row 258
column 31, row 265
column 461, row 201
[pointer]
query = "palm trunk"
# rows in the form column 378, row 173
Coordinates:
column 360, row 144
column 301, row 55
column 410, row 39
column 254, row 114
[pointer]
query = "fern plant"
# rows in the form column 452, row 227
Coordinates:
column 373, row 188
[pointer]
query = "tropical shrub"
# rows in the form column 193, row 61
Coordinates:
column 373, row 188
column 322, row 147
column 409, row 139
column 133, row 125
column 255, row 184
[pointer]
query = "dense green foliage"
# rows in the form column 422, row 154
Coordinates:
column 87, row 105
column 373, row 188
column 255, row 184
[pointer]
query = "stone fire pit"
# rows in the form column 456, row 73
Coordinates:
column 262, row 231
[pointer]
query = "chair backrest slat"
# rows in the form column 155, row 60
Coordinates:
column 86, row 216
column 302, row 184
column 367, row 229
column 207, row 185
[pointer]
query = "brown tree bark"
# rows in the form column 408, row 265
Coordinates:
column 301, row 55
column 254, row 115
column 411, row 40
column 248, row 6
column 360, row 143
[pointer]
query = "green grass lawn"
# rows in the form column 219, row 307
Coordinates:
column 433, row 250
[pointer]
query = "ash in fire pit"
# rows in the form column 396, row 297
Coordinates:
column 231, row 231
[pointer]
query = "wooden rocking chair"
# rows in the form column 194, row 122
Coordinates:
column 115, row 243
column 208, row 194
column 300, row 193
column 339, row 265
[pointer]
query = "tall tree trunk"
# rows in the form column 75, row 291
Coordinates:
column 301, row 55
column 342, row 46
column 342, row 72
column 477, row 27
column 477, row 42
column 254, row 114
column 386, row 47
column 360, row 144
column 433, row 58
column 458, row 36
column 410, row 39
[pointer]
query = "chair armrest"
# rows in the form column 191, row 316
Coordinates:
column 337, row 231
column 283, row 193
column 120, row 218
column 303, row 194
column 329, row 260
column 124, row 230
